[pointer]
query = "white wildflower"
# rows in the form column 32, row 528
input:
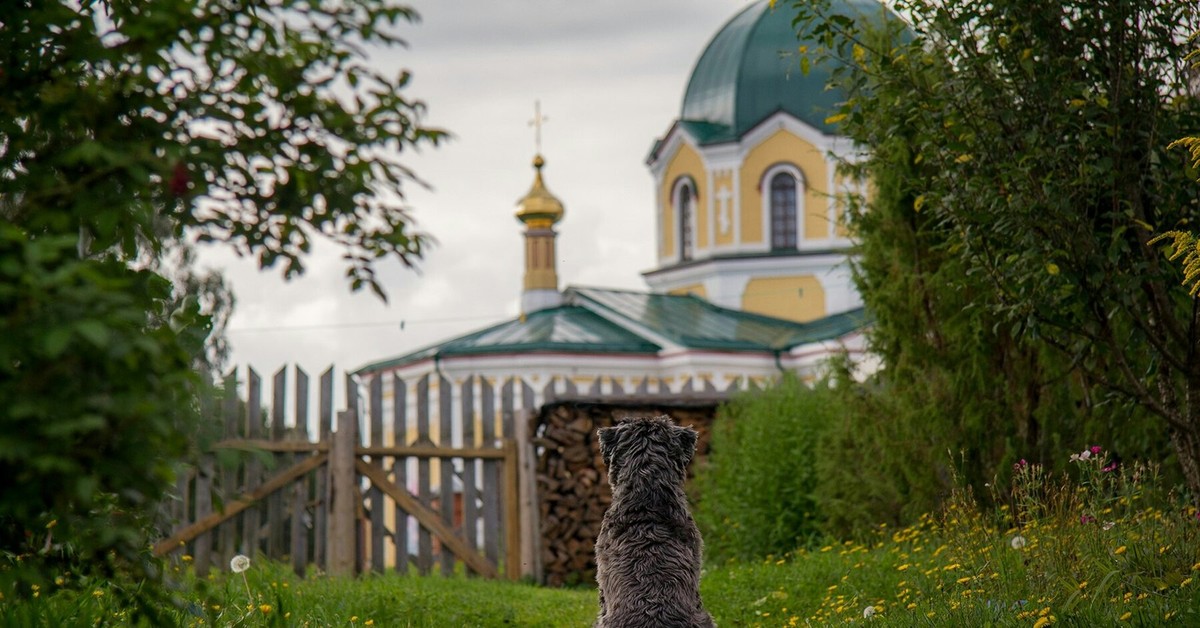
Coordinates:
column 239, row 563
column 1017, row 542
column 1108, row 525
column 868, row 612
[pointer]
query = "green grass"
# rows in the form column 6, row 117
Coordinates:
column 1105, row 549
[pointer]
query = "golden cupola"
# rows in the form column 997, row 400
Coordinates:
column 539, row 210
column 539, row 207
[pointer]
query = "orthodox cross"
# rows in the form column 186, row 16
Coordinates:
column 536, row 123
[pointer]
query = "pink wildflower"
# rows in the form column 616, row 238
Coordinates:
column 1096, row 450
column 1086, row 519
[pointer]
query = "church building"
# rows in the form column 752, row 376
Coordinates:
column 752, row 278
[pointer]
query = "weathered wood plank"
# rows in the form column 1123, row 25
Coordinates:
column 430, row 520
column 470, row 490
column 512, row 516
column 275, row 512
column 252, row 517
column 424, row 541
column 446, row 469
column 531, row 551
column 232, row 509
column 227, row 534
column 202, row 554
column 491, row 475
column 300, row 489
column 375, row 495
column 400, row 467
column 321, row 490
column 431, row 450
column 343, row 497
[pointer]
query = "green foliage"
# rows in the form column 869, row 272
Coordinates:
column 128, row 131
column 96, row 403
column 755, row 492
column 1028, row 158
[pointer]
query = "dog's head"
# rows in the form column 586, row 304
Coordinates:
column 648, row 444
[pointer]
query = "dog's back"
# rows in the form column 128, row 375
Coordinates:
column 648, row 552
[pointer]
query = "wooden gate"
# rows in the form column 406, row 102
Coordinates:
column 349, row 506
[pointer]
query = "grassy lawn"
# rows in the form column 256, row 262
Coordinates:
column 1107, row 549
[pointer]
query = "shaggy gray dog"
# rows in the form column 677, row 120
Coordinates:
column 648, row 550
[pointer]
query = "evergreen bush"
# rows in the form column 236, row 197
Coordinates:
column 755, row 491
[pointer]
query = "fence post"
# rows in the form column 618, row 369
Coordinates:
column 341, row 544
column 512, row 512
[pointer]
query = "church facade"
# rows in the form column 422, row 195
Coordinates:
column 752, row 276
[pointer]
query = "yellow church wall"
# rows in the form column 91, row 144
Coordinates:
column 696, row 289
column 798, row 298
column 784, row 147
column 686, row 161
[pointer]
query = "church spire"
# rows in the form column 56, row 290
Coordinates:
column 539, row 210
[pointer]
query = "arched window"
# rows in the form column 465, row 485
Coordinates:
column 784, row 225
column 685, row 199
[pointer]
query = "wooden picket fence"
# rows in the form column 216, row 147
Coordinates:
column 410, row 476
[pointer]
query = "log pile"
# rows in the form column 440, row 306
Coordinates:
column 573, row 490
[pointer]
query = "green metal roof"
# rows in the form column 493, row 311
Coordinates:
column 697, row 324
column 569, row 329
column 600, row 320
column 751, row 69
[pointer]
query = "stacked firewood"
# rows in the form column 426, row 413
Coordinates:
column 573, row 490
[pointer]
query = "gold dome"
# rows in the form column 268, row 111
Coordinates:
column 539, row 205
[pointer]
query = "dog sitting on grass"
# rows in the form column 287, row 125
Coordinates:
column 648, row 552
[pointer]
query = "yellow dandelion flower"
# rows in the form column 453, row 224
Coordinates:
column 265, row 608
column 1083, row 585
column 1042, row 621
column 97, row 593
column 1186, row 581
column 1119, row 550
column 1126, row 616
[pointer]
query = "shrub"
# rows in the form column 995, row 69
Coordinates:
column 755, row 492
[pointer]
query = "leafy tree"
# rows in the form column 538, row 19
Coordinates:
column 127, row 128
column 1036, row 137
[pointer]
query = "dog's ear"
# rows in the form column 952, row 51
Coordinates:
column 608, row 442
column 685, row 444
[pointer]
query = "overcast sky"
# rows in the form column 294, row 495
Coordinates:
column 610, row 76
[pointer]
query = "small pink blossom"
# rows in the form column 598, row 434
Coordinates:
column 1109, row 468
column 1096, row 450
column 1086, row 519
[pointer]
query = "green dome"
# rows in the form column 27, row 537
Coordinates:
column 751, row 70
